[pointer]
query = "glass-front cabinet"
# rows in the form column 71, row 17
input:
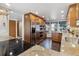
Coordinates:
column 62, row 25
column 58, row 26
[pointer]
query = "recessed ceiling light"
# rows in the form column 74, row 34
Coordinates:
column 62, row 11
column 7, row 4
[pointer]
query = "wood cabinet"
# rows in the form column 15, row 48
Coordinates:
column 56, row 41
column 57, row 37
column 34, row 28
column 73, row 14
column 27, row 29
column 13, row 28
column 18, row 28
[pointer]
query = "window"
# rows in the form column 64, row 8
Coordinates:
column 53, row 27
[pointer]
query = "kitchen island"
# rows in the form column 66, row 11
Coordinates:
column 37, row 50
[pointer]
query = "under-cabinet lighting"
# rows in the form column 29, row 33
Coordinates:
column 62, row 11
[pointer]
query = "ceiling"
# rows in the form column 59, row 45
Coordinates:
column 51, row 11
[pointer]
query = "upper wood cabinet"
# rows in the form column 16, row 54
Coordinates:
column 73, row 15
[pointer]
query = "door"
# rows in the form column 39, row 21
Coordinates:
column 12, row 28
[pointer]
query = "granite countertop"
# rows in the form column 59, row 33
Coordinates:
column 5, row 38
column 38, row 50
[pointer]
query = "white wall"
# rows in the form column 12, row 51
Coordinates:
column 3, row 25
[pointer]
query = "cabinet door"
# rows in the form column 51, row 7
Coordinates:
column 12, row 28
column 73, row 14
column 57, row 37
column 78, row 11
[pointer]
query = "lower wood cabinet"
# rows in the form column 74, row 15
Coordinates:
column 57, row 37
column 56, row 41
